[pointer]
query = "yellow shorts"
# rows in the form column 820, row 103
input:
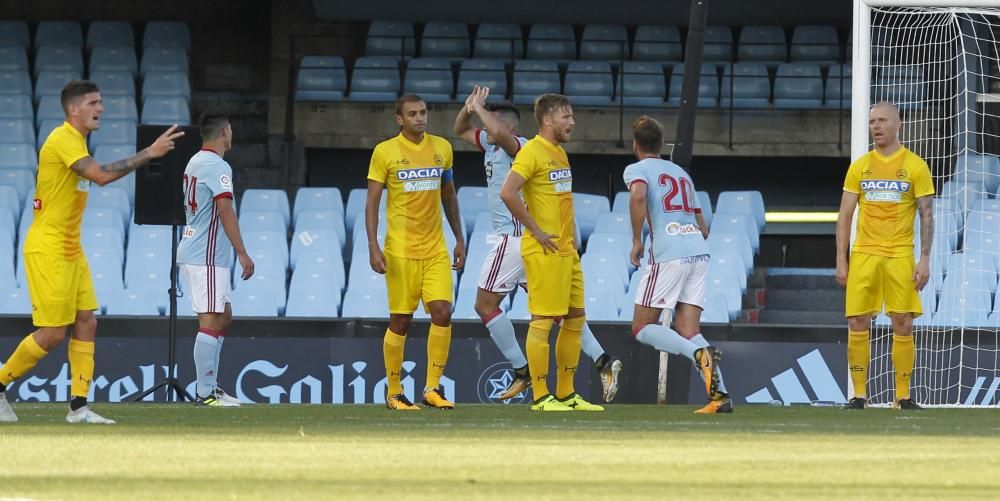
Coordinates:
column 873, row 280
column 59, row 288
column 410, row 280
column 555, row 283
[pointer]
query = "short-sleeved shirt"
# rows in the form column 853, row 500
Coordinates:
column 888, row 189
column 60, row 196
column 412, row 174
column 548, row 193
column 672, row 204
column 207, row 179
column 497, row 165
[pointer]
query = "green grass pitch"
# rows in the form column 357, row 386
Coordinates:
column 494, row 451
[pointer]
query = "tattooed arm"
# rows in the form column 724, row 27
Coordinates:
column 921, row 273
column 88, row 168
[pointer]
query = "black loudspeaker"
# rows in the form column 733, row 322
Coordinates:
column 159, row 191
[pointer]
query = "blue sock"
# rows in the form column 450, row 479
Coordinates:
column 668, row 340
column 700, row 340
column 589, row 344
column 206, row 348
column 502, row 332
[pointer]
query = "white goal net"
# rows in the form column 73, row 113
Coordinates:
column 939, row 65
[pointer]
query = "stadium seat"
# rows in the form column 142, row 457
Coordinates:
column 14, row 33
column 839, row 78
column 14, row 301
column 815, row 44
column 130, row 303
column 109, row 34
column 742, row 202
column 16, row 106
column 114, row 132
column 147, row 269
column 15, row 82
column 499, row 41
column 534, row 78
column 483, row 223
column 552, row 42
column 589, row 83
column 519, row 307
column 167, row 84
column 762, row 44
column 167, row 34
column 390, row 38
column 593, row 262
column 49, row 110
column 315, row 242
column 114, row 59
column 249, row 302
column 738, row 223
column 22, row 180
column 708, row 86
column 968, row 263
column 716, row 310
column 621, row 202
column 355, row 207
column 473, row 200
column 163, row 59
column 108, row 242
column 903, row 85
column 11, row 202
column 262, row 220
column 322, row 220
column 484, row 73
column 13, row 59
column 163, row 110
column 728, row 286
column 328, row 263
column 604, row 42
column 448, row 40
column 749, row 85
column 365, row 304
column 58, row 33
column 8, row 225
column 95, row 216
column 431, row 79
column 313, row 303
column 264, row 240
column 375, row 79
column 607, row 278
column 257, row 199
column 798, row 86
column 613, row 243
column 587, row 208
column 321, row 79
column 120, row 108
column 58, row 58
column 464, row 308
column 600, row 306
column 643, row 84
column 111, row 197
column 114, row 83
column 738, row 243
column 657, row 44
column 729, row 262
column 17, row 131
column 613, row 222
column 318, row 198
column 149, row 237
column 718, row 44
column 979, row 171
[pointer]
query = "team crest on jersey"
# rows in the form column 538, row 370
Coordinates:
column 438, row 159
column 901, row 173
column 884, row 190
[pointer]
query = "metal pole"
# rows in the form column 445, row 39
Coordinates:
column 684, row 144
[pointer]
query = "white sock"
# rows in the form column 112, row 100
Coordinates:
column 218, row 356
column 589, row 344
column 668, row 340
column 502, row 332
column 206, row 349
column 700, row 340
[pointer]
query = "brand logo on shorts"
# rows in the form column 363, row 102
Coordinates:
column 674, row 229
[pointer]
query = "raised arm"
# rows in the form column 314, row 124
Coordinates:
column 449, row 200
column 509, row 193
column 848, row 202
column 372, row 201
column 231, row 225
column 921, row 273
column 88, row 168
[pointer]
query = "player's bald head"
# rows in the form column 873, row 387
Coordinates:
column 886, row 107
column 883, row 124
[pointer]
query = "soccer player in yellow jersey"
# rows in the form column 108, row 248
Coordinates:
column 62, row 293
column 415, row 168
column 542, row 175
column 888, row 185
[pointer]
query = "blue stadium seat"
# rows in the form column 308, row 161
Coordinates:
column 313, row 304
column 839, row 78
column 27, row 216
column 249, row 302
column 708, row 86
column 979, row 171
column 109, row 34
column 319, row 242
column 534, row 78
column 8, row 223
column 903, row 85
column 738, row 223
column 519, row 307
column 322, row 220
column 14, row 33
column 22, row 180
column 446, row 40
column 267, row 241
column 431, row 79
column 103, row 217
column 111, row 197
column 13, row 59
column 643, row 84
column 815, row 44
column 163, row 59
column 147, row 269
column 601, row 306
column 390, row 38
column 114, row 83
column 257, row 199
column 604, row 42
column 657, row 44
column 16, row 106
column 148, row 236
column 727, row 285
column 366, row 303
column 763, row 44
column 163, row 110
column 620, row 205
column 262, row 220
column 318, row 198
column 130, row 303
column 798, row 86
column 499, row 41
column 10, row 202
column 589, row 83
column 484, row 73
column 716, row 310
column 587, row 208
column 742, row 202
column 355, row 207
column 552, row 42
column 330, row 264
column 968, row 263
column 51, row 83
column 731, row 264
column 613, row 243
column 107, row 242
column 310, row 279
column 593, row 263
column 750, row 85
column 481, row 241
column 114, row 132
column 613, row 222
column 15, row 82
column 49, row 116
column 166, row 83
column 59, row 58
column 15, row 301
column 483, row 223
column 106, row 153
column 321, row 79
column 114, row 59
column 968, row 295
column 473, row 201
column 464, row 308
column 959, row 318
column 718, row 44
column 17, row 131
column 739, row 243
column 167, row 34
column 375, row 79
column 120, row 108
column 58, row 33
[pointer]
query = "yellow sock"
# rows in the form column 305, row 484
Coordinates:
column 27, row 354
column 537, row 349
column 81, row 366
column 858, row 357
column 438, row 342
column 392, row 351
column 567, row 355
column 903, row 354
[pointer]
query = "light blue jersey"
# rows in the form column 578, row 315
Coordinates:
column 207, row 178
column 497, row 165
column 672, row 204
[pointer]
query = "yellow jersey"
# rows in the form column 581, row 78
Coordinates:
column 888, row 189
column 412, row 174
column 60, row 196
column 548, row 193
